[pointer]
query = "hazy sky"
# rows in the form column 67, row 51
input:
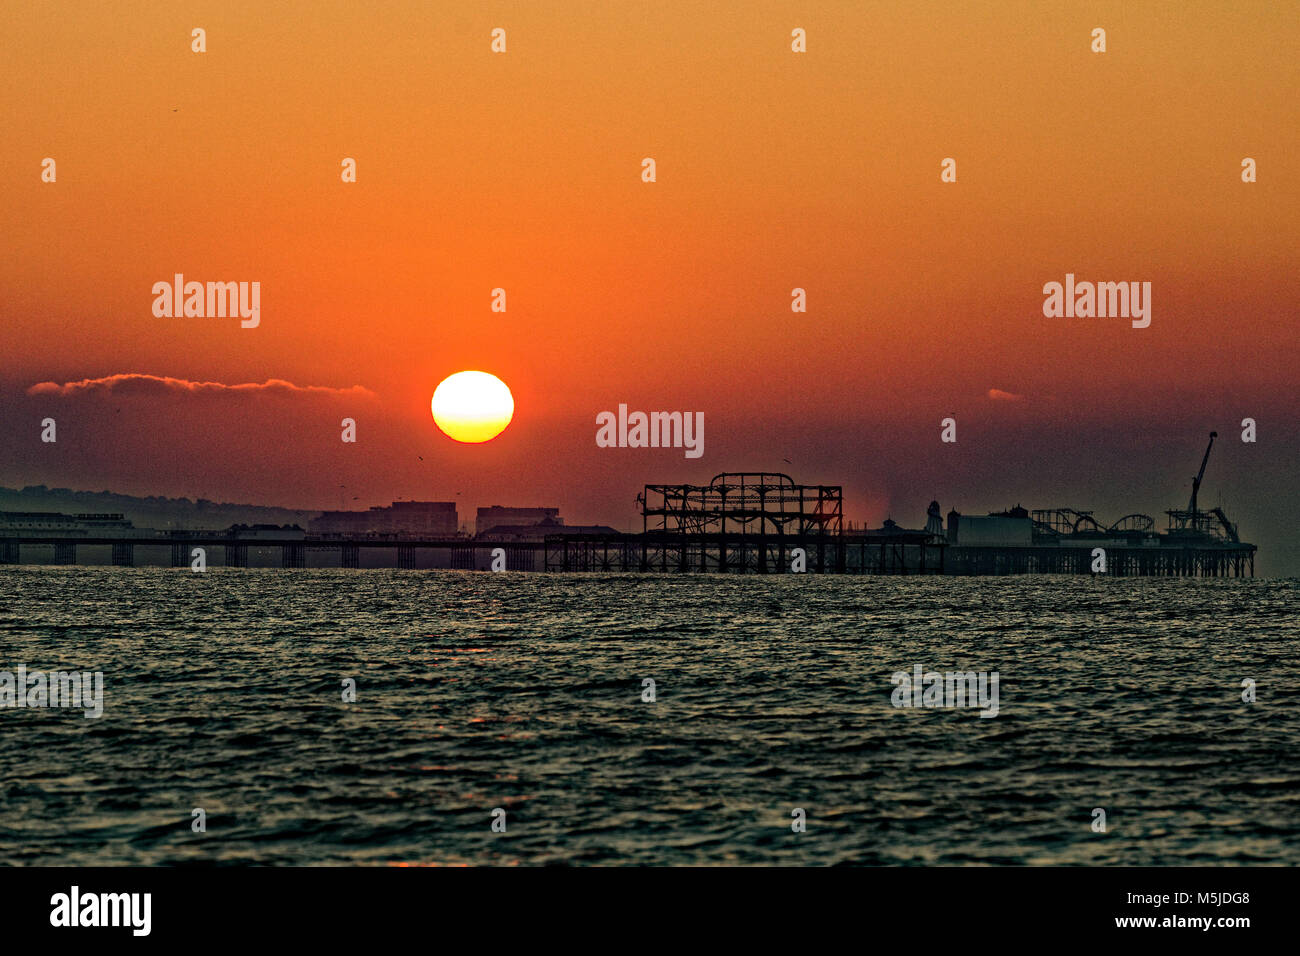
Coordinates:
column 775, row 170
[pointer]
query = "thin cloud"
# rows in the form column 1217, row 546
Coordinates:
column 133, row 383
column 1000, row 396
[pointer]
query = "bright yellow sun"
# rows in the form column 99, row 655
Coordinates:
column 472, row 406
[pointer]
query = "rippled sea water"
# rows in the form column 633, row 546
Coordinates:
column 523, row 692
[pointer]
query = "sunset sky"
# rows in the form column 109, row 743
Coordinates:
column 775, row 170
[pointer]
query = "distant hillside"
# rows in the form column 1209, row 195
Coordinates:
column 151, row 512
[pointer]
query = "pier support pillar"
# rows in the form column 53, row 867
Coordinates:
column 350, row 556
column 236, row 555
column 293, row 555
column 406, row 557
column 123, row 555
column 65, row 552
column 10, row 551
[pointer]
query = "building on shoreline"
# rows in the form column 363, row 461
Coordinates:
column 427, row 519
column 503, row 516
column 539, row 531
column 17, row 523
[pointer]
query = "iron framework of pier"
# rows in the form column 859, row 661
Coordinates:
column 746, row 522
column 761, row 504
column 739, row 521
column 866, row 553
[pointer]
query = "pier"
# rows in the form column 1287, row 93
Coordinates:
column 885, row 551
column 462, row 553
column 739, row 523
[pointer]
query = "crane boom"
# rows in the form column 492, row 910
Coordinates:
column 1196, row 482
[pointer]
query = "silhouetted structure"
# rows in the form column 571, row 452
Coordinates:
column 761, row 522
column 740, row 522
column 417, row 518
column 538, row 532
column 498, row 516
column 1067, row 541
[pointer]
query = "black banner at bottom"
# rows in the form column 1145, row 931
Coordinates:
column 1223, row 906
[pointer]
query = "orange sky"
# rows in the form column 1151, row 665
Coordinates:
column 775, row 170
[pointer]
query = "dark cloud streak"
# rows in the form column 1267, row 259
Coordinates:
column 138, row 384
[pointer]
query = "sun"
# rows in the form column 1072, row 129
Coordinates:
column 472, row 407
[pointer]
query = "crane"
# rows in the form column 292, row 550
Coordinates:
column 1196, row 482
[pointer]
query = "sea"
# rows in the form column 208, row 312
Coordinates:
column 411, row 718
